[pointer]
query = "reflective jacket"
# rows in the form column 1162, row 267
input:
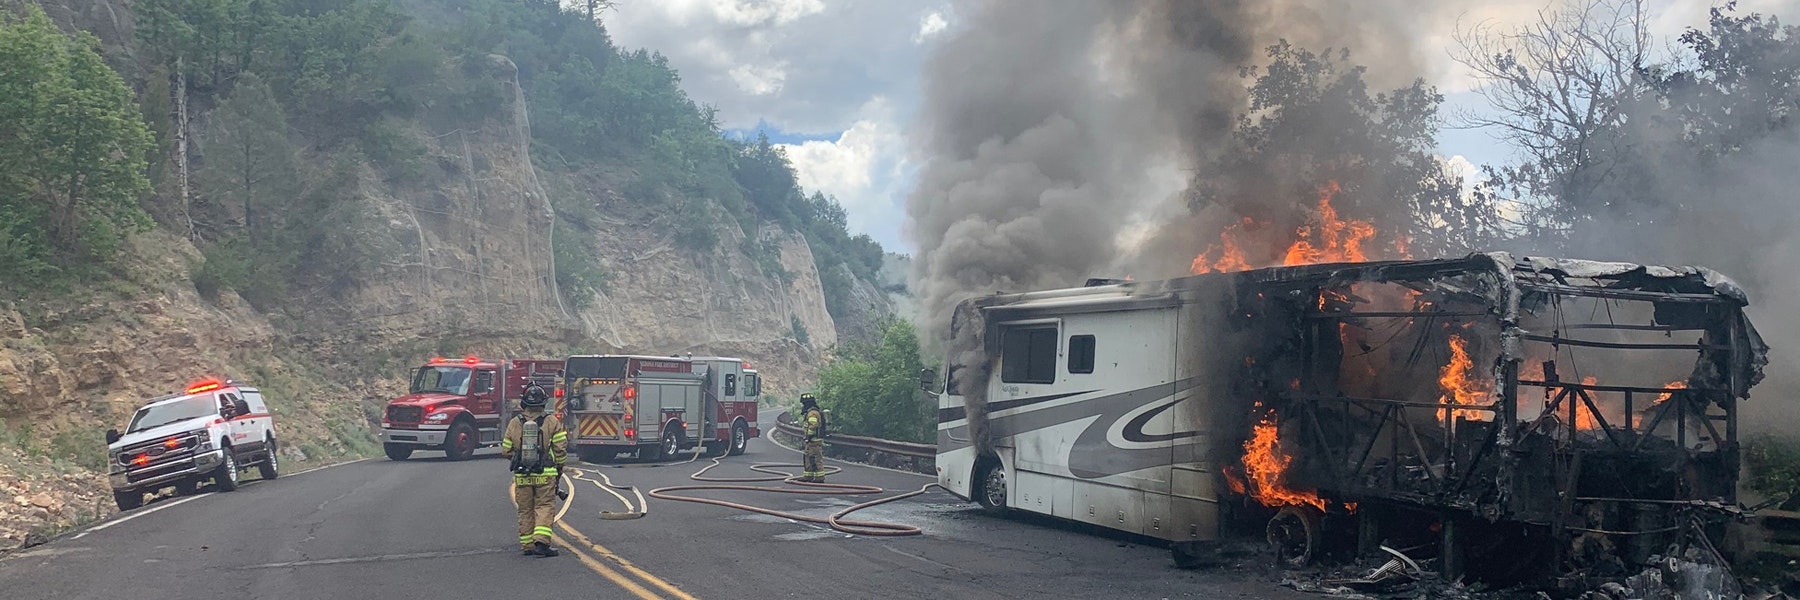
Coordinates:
column 812, row 424
column 553, row 450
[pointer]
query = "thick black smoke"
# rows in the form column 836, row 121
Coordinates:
column 1056, row 133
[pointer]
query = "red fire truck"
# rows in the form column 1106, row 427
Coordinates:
column 656, row 406
column 459, row 405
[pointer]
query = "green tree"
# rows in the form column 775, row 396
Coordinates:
column 72, row 147
column 251, row 161
column 872, row 389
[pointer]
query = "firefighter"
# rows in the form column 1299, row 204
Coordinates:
column 536, row 443
column 812, row 423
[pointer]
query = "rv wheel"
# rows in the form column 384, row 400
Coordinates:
column 992, row 495
column 1294, row 535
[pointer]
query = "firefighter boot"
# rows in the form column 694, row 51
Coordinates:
column 543, row 549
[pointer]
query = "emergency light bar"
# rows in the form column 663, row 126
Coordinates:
column 205, row 385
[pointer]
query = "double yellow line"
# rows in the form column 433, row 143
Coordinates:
column 585, row 550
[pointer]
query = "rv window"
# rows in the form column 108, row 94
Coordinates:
column 731, row 384
column 1081, row 354
column 484, row 382
column 1028, row 355
column 950, row 386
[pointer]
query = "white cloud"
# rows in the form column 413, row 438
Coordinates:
column 865, row 168
column 759, row 80
column 933, row 24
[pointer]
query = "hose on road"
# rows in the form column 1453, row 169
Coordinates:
column 835, row 520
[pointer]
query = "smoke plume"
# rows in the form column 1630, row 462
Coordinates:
column 1059, row 136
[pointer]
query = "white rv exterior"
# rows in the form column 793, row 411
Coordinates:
column 1086, row 412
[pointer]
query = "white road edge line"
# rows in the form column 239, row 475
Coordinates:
column 174, row 503
column 782, row 446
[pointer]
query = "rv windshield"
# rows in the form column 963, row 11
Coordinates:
column 151, row 417
column 444, row 380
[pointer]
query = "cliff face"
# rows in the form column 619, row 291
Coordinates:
column 467, row 267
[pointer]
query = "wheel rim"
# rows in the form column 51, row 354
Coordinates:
column 462, row 441
column 231, row 468
column 274, row 466
column 669, row 445
column 737, row 437
column 994, row 489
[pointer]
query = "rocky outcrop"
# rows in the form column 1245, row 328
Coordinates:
column 868, row 308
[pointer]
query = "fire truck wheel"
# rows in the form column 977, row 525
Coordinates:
column 397, row 451
column 460, row 443
column 740, row 438
column 227, row 475
column 670, row 446
column 128, row 500
column 1294, row 534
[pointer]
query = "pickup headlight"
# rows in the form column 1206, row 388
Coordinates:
column 438, row 418
column 203, row 441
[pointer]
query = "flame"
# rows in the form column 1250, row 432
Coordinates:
column 1327, row 237
column 1265, row 463
column 1235, row 481
column 1584, row 418
column 1458, row 387
column 1341, row 240
column 1671, row 386
column 1227, row 256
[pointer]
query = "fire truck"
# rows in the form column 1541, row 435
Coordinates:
column 458, row 406
column 656, row 406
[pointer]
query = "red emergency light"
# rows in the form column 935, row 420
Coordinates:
column 205, row 385
column 630, row 392
column 630, row 433
column 470, row 359
column 437, row 359
column 142, row 459
column 171, row 442
column 746, row 365
column 559, row 392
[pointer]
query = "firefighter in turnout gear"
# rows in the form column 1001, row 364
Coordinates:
column 812, row 423
column 537, row 445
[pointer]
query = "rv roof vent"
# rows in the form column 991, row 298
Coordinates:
column 1100, row 281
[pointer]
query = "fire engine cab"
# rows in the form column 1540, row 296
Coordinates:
column 458, row 406
column 655, row 407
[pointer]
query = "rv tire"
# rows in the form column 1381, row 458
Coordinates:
column 991, row 490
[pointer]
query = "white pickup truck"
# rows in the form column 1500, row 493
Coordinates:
column 213, row 430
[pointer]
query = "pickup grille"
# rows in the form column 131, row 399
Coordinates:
column 149, row 459
column 404, row 414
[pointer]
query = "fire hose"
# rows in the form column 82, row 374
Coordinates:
column 835, row 520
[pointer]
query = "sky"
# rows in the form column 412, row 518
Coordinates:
column 836, row 82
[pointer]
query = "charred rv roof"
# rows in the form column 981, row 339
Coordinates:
column 1510, row 281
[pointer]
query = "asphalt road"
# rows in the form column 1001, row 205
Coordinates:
column 428, row 528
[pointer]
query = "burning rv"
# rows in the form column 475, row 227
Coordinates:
column 1520, row 417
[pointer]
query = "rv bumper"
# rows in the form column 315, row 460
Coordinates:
column 413, row 437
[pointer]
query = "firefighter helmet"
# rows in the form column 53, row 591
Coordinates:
column 808, row 400
column 534, row 397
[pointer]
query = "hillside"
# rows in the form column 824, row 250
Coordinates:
column 335, row 190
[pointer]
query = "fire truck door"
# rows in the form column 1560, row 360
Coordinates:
column 487, row 400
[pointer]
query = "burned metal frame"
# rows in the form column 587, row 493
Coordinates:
column 1502, row 468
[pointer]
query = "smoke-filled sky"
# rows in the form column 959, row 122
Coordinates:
column 842, row 81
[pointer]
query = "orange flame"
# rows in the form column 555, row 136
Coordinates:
column 1458, row 387
column 1326, row 238
column 1265, row 463
column 1341, row 240
column 1584, row 418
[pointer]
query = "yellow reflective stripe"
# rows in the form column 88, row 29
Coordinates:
column 560, row 436
column 541, row 529
column 507, row 444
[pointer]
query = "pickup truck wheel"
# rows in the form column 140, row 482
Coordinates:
column 227, row 475
column 270, row 468
column 740, row 438
column 128, row 500
column 397, row 451
column 459, row 444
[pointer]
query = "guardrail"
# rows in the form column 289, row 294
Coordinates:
column 919, row 458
